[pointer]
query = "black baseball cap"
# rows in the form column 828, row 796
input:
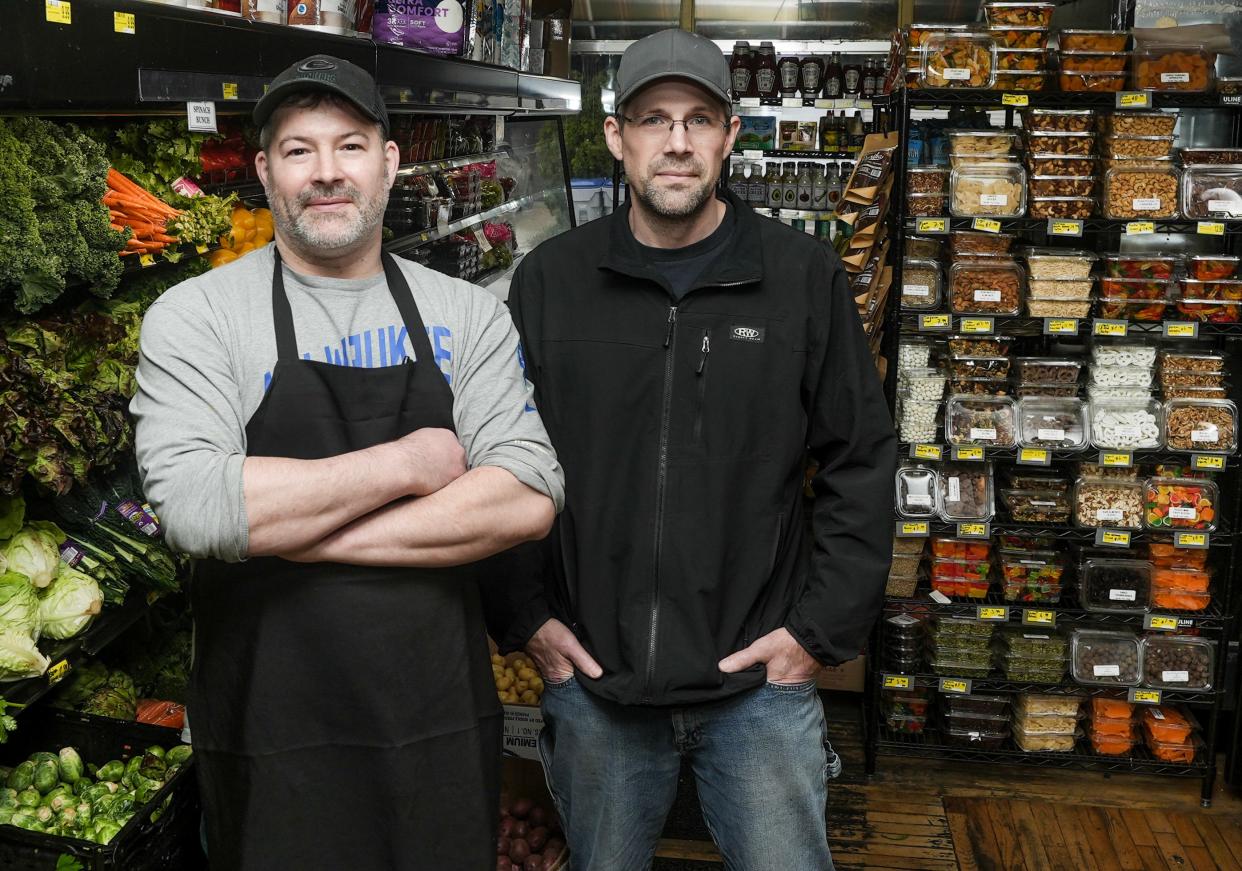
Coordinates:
column 673, row 54
column 323, row 72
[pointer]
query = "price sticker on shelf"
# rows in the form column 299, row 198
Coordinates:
column 986, row 225
column 1016, row 100
column 752, row 154
column 897, row 682
column 1192, row 540
column 974, row 530
column 1034, row 457
column 932, row 225
column 926, row 452
column 58, row 11
column 1137, row 696
column 1134, row 100
column 791, row 102
column 1160, row 622
column 967, row 453
column 1140, row 228
column 1116, row 459
column 956, row 685
column 1060, row 326
column 993, row 613
column 1207, row 462
column 1180, row 329
column 145, row 260
column 123, row 22
column 200, row 117
column 1100, row 327
column 1035, row 617
column 1064, row 227
column 749, row 103
column 1112, row 538
column 977, row 326
column 929, row 323
column 56, row 673
column 200, row 249
column 912, row 529
column 229, row 90
column 1210, row 228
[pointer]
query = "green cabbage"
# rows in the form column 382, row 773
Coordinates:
column 35, row 552
column 19, row 658
column 12, row 515
column 68, row 605
column 19, row 605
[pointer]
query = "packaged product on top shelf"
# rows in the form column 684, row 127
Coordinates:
column 966, row 60
column 1094, row 40
column 1063, row 120
column 1018, row 14
column 1178, row 662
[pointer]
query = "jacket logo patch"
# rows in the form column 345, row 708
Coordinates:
column 746, row 334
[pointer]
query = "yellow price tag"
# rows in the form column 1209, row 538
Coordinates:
column 1061, row 326
column 1105, row 328
column 970, row 453
column 58, row 11
column 1147, row 697
column 919, row 527
column 972, row 529
column 1120, row 460
column 57, row 672
column 1210, row 228
column 1065, row 228
column 1015, row 100
column 1180, row 331
column 931, row 225
column 1033, row 455
column 1111, row 537
column 1159, row 621
column 1140, row 228
column 976, row 325
column 897, row 682
column 953, row 685
column 934, row 322
column 1039, row 618
column 229, row 89
column 1207, row 462
column 928, row 452
column 201, row 249
column 991, row 612
column 987, row 225
column 1134, row 99
column 146, row 260
column 123, row 22
column 1192, row 539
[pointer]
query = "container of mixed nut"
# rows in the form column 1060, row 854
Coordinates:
column 1139, row 123
column 1141, row 193
column 1201, row 425
column 1062, row 185
column 1127, row 424
column 1036, row 506
column 971, row 242
column 981, row 420
column 927, row 179
column 1077, row 165
column 1212, row 191
column 971, row 366
column 985, row 190
column 921, row 284
column 1210, row 156
column 1063, row 207
column 986, row 288
column 1063, row 120
column 1060, row 142
column 927, row 205
column 979, row 346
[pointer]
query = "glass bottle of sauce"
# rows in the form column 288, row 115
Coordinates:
column 805, row 183
column 757, row 186
column 738, row 184
column 827, row 133
column 832, row 186
column 790, row 70
column 775, row 186
column 765, row 72
column 868, row 79
column 811, row 77
column 742, row 71
column 851, row 79
column 819, row 189
column 832, row 77
column 790, row 190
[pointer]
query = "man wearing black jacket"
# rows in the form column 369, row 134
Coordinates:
column 687, row 357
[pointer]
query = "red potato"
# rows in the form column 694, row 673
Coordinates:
column 522, row 807
column 503, row 864
column 533, row 863
column 520, row 829
column 519, row 850
column 553, row 849
column 538, row 817
column 502, row 846
column 537, row 838
column 506, row 826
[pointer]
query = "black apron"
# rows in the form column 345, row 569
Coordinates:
column 344, row 717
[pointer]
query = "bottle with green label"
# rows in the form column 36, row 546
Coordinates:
column 789, row 194
column 775, row 185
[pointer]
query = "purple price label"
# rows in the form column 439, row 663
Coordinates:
column 437, row 28
column 71, row 554
column 144, row 521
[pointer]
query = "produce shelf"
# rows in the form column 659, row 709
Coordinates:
column 1059, row 455
column 1067, row 687
column 930, row 744
column 1028, row 326
column 1064, row 532
column 414, row 241
column 932, row 97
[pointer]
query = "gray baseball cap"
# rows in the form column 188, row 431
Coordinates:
column 673, row 54
column 322, row 72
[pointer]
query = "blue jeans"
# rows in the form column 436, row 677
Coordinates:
column 761, row 761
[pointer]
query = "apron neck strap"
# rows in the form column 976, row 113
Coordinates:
column 282, row 314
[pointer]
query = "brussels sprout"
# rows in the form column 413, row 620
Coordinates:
column 143, row 793
column 5, row 771
column 171, row 772
column 94, row 792
column 179, row 754
column 26, row 820
column 85, row 814
column 28, row 797
column 46, row 776
column 80, row 785
column 70, row 765
column 105, row 830
column 123, row 806
column 155, row 750
column 152, row 767
column 59, row 790
column 68, row 818
column 22, row 776
column 8, row 797
column 43, row 756
column 62, row 800
column 44, row 814
column 6, row 815
column 112, row 772
column 102, row 806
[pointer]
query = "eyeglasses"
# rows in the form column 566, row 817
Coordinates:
column 697, row 127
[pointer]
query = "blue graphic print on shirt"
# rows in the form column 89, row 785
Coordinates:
column 386, row 346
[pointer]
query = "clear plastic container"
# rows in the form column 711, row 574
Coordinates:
column 1178, row 599
column 1111, row 745
column 1121, row 376
column 1019, row 37
column 1035, row 705
column 1020, row 61
column 1026, row 80
column 1208, row 425
column 1044, row 742
column 1114, row 504
column 1062, row 185
column 1178, row 662
column 1211, row 267
column 919, row 33
column 1148, row 267
column 975, row 739
column 1184, row 754
column 1138, row 310
column 1011, row 14
column 925, row 385
column 981, row 346
column 1135, row 288
column 1173, row 504
column 927, row 205
column 966, row 492
column 1179, row 577
column 1167, row 723
column 1061, row 288
column 1140, row 123
column 1101, row 657
column 1035, row 644
column 1115, row 586
column 1052, row 423
column 921, row 284
column 1059, row 264
column 903, row 725
column 1192, row 361
column 918, row 491
column 1093, row 82
column 1223, row 289
column 1075, row 60
column 1063, row 120
column 1062, row 164
column 1057, row 142
column 1042, row 306
column 986, row 288
column 1121, row 146
column 1027, row 391
column 1094, row 40
column 903, row 627
column 965, row 60
column 1210, row 311
column 1127, row 425
column 914, row 353
column 981, row 386
column 980, row 420
column 960, row 548
column 1111, row 709
column 962, row 627
column 1212, row 192
column 1167, row 68
column 955, row 668
column 1063, row 207
column 1036, row 506
column 927, row 179
column 1048, row 370
column 975, row 705
column 1141, row 193
column 963, row 366
column 988, row 190
column 1210, row 156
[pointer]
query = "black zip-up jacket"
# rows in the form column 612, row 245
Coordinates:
column 684, row 429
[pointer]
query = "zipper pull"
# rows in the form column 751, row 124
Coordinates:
column 704, row 351
column 672, row 319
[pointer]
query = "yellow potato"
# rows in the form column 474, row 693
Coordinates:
column 501, row 696
column 536, row 684
column 526, row 674
column 521, row 686
column 499, row 660
column 510, row 673
column 504, row 682
column 529, row 698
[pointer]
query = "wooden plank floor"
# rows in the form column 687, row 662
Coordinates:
column 940, row 816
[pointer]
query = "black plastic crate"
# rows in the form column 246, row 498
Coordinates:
column 141, row 845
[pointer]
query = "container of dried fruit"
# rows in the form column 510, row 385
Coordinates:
column 1092, row 82
column 1032, row 740
column 1111, row 745
column 964, row 60
column 988, row 191
column 1020, row 60
column 921, row 284
column 1013, row 14
column 1079, row 61
column 1019, row 37
column 1212, row 267
column 1182, row 754
column 981, row 420
column 1167, row 723
column 919, row 33
column 982, row 143
column 1212, row 191
column 965, row 492
column 1196, row 580
column 1140, row 123
column 1093, row 40
column 1034, row 80
column 960, row 548
column 1174, row 504
column 1137, row 310
column 1136, row 288
column 1063, row 207
column 1115, row 586
column 1168, row 68
column 1141, row 193
column 1208, row 425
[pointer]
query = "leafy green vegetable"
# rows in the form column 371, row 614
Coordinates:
column 204, row 219
column 115, row 699
column 70, row 765
column 35, row 553
column 69, row 604
column 19, row 657
column 65, row 862
column 12, row 516
column 155, row 153
column 21, row 777
column 19, row 604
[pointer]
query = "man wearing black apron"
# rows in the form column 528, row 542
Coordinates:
column 338, row 436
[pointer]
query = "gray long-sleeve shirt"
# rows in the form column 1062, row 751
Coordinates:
column 209, row 348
